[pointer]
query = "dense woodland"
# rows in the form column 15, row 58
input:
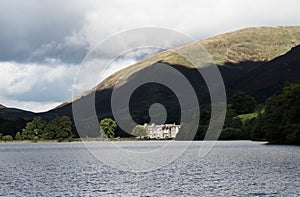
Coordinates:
column 277, row 121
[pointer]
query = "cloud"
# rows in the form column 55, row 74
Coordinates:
column 32, row 105
column 42, row 43
column 196, row 18
column 33, row 83
column 34, row 30
column 27, row 26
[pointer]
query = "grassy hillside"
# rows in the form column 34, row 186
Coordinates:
column 250, row 44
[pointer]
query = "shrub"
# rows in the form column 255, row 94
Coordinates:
column 7, row 138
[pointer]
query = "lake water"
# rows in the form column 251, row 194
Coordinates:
column 233, row 168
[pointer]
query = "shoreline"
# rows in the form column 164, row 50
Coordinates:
column 110, row 140
column 125, row 140
column 83, row 140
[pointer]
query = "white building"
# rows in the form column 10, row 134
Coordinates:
column 162, row 131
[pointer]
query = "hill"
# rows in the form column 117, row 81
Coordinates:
column 239, row 50
column 13, row 114
column 270, row 77
column 2, row 106
column 242, row 56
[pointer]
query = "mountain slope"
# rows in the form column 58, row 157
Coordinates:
column 2, row 106
column 238, row 54
column 13, row 114
column 270, row 77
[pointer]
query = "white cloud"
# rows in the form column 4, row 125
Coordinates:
column 31, row 83
column 29, row 105
column 196, row 18
column 19, row 78
column 55, row 30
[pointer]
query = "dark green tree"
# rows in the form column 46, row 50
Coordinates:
column 64, row 130
column 280, row 122
column 59, row 128
column 28, row 132
column 39, row 125
column 242, row 103
column 236, row 123
column 51, row 129
column 107, row 128
column 18, row 136
column 230, row 115
column 33, row 129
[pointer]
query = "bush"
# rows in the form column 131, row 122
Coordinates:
column 7, row 138
column 140, row 131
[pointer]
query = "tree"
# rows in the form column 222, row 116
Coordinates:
column 18, row 136
column 280, row 121
column 107, row 128
column 51, row 128
column 248, row 126
column 241, row 103
column 236, row 123
column 39, row 124
column 34, row 128
column 256, row 132
column 64, row 130
column 28, row 131
column 140, row 131
column 58, row 128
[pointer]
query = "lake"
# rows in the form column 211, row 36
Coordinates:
column 232, row 168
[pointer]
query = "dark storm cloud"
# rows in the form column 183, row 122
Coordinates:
column 27, row 26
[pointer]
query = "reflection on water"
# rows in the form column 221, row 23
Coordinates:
column 231, row 168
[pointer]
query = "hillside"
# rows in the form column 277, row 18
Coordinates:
column 12, row 114
column 239, row 48
column 271, row 76
column 242, row 56
column 2, row 106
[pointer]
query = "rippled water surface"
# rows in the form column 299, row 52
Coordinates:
column 235, row 168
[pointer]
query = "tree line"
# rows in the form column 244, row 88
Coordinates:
column 276, row 121
column 59, row 128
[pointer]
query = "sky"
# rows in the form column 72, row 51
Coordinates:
column 42, row 43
